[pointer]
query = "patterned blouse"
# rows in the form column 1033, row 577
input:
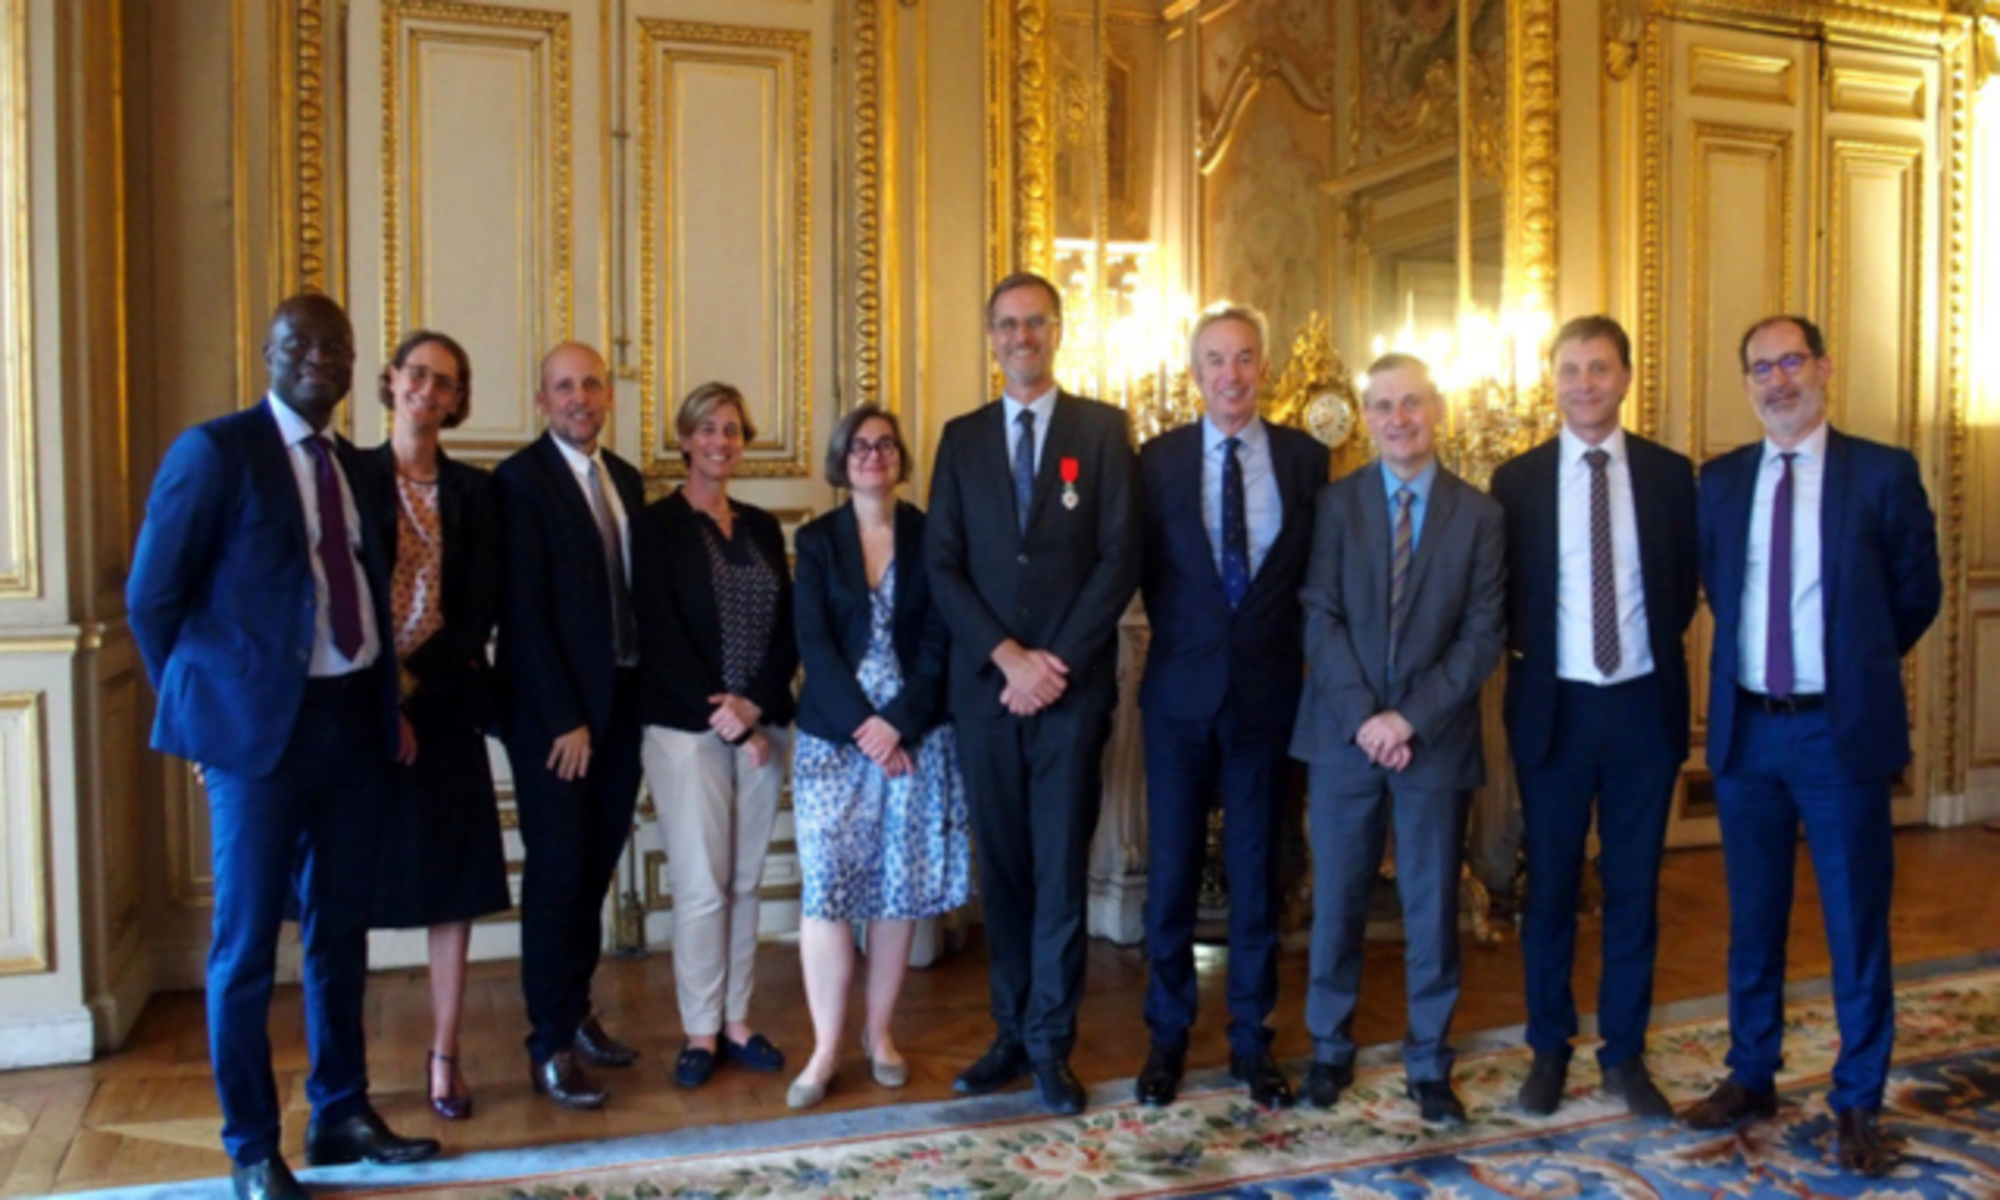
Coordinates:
column 416, row 589
column 746, row 599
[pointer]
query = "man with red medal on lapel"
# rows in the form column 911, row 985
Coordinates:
column 1033, row 548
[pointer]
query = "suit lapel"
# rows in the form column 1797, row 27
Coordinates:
column 1378, row 543
column 1547, row 509
column 1192, row 467
column 1832, row 518
column 1062, row 428
column 1442, row 503
column 276, row 480
column 1648, row 516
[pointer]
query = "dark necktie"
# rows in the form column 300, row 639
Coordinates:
column 1603, row 584
column 1024, row 466
column 1779, row 676
column 336, row 553
column 624, row 629
column 1235, row 527
column 1399, row 567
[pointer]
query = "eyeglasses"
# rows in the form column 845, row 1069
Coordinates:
column 421, row 376
column 860, row 448
column 1009, row 326
column 1791, row 364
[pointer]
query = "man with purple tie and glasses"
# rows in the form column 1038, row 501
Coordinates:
column 262, row 615
column 1819, row 556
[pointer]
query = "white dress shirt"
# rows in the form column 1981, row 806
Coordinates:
column 327, row 660
column 1576, row 639
column 1262, row 510
column 579, row 465
column 1044, row 408
column 1808, row 602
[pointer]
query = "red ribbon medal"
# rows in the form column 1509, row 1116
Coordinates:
column 1069, row 470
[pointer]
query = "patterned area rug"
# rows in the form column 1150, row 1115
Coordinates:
column 1943, row 1107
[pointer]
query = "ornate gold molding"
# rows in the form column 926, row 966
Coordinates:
column 792, row 47
column 1259, row 67
column 866, row 228
column 1844, row 158
column 23, row 710
column 1652, row 230
column 1532, row 105
column 1704, row 136
column 1878, row 21
column 20, row 579
column 1961, row 75
column 552, row 30
column 307, row 208
column 1623, row 26
column 1020, row 143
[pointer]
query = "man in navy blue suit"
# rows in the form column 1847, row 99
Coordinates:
column 263, row 619
column 1600, row 589
column 1819, row 556
column 1228, row 521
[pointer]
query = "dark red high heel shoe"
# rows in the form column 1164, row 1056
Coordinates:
column 455, row 1105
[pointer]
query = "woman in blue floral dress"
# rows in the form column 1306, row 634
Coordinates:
column 876, row 790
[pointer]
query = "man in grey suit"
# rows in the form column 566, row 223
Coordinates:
column 1403, row 603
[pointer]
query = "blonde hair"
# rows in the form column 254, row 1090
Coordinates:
column 701, row 403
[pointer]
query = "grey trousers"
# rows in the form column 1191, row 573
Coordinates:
column 1351, row 811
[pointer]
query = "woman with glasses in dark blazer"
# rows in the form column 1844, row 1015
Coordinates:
column 876, row 793
column 440, row 863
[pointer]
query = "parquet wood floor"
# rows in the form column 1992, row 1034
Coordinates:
column 148, row 1112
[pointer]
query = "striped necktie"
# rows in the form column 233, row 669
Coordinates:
column 1399, row 568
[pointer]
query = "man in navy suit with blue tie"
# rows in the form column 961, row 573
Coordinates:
column 1601, row 586
column 263, row 619
column 1819, row 556
column 1228, row 521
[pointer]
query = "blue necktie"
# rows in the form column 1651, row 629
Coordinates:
column 1024, row 466
column 1235, row 527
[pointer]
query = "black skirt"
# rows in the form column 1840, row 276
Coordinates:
column 439, row 855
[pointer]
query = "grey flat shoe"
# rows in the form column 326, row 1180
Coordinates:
column 889, row 1075
column 804, row 1093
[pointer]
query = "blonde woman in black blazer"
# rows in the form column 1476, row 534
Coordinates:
column 876, row 790
column 714, row 601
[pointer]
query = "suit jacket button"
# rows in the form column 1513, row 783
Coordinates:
column 305, row 656
column 1022, row 559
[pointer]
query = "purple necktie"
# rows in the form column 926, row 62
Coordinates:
column 336, row 554
column 1778, row 675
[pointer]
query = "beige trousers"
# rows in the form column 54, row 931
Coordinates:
column 716, row 811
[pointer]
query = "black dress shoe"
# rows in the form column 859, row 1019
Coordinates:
column 1259, row 1072
column 1061, row 1091
column 1542, row 1091
column 599, row 1048
column 363, row 1138
column 694, row 1067
column 1160, row 1078
column 1325, row 1082
column 1632, row 1083
column 562, row 1079
column 267, row 1180
column 1436, row 1101
column 1729, row 1105
column 1003, row 1063
column 1862, row 1149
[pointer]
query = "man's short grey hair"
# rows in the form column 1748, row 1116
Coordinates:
column 1227, row 310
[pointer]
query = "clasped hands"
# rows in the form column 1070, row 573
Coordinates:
column 735, row 721
column 1035, row 678
column 1385, row 738
column 884, row 746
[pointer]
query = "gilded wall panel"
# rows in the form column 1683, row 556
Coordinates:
column 1739, row 251
column 1407, row 92
column 121, row 843
column 24, row 915
column 1986, row 690
column 477, row 234
column 1275, row 256
column 19, row 534
column 725, row 237
column 1874, row 319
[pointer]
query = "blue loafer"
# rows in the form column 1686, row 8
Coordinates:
column 694, row 1066
column 757, row 1054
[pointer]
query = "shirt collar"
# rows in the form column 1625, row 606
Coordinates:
column 1813, row 449
column 1421, row 485
column 1251, row 436
column 1043, row 406
column 1574, row 447
column 291, row 426
column 578, row 461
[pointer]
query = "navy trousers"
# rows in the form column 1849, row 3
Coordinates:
column 1783, row 771
column 1611, row 745
column 1186, row 763
column 573, row 832
column 306, row 830
column 1035, row 786
column 1349, row 824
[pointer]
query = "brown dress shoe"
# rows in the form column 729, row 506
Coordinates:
column 1729, row 1105
column 599, row 1048
column 562, row 1080
column 1862, row 1148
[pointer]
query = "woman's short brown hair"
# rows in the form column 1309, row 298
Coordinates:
column 841, row 443
column 703, row 401
column 408, row 346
